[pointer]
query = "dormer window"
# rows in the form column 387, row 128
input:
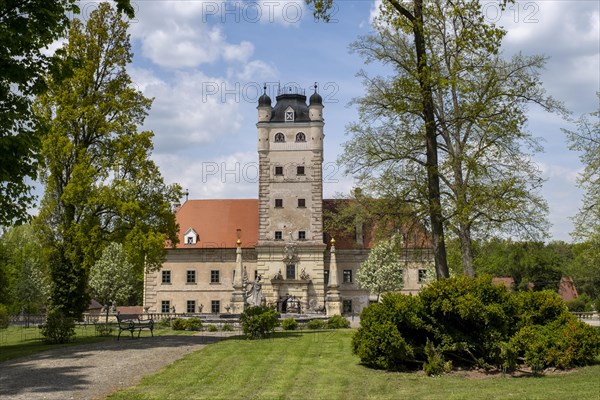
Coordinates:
column 279, row 137
column 289, row 114
column 300, row 137
column 190, row 237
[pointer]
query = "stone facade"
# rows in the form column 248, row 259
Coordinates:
column 275, row 245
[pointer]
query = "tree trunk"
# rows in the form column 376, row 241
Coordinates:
column 433, row 178
column 466, row 249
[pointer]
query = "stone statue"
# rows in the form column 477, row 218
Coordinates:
column 255, row 296
column 278, row 276
column 304, row 275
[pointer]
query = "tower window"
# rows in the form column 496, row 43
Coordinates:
column 301, row 235
column 301, row 203
column 300, row 170
column 278, row 235
column 279, row 137
column 289, row 115
column 300, row 137
column 278, row 170
column 290, row 271
column 278, row 203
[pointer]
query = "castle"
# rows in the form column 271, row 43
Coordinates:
column 270, row 250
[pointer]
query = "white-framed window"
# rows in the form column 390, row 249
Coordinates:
column 289, row 114
column 190, row 237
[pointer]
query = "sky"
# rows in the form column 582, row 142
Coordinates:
column 205, row 64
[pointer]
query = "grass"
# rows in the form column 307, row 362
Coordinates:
column 19, row 342
column 320, row 365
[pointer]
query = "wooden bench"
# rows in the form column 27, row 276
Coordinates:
column 132, row 322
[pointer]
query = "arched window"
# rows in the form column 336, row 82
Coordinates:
column 279, row 137
column 300, row 137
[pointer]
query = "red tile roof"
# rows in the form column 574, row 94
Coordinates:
column 216, row 222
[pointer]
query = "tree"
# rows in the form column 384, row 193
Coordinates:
column 101, row 185
column 112, row 277
column 488, row 182
column 26, row 28
column 383, row 270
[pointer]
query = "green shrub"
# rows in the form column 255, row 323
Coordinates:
column 597, row 304
column 178, row 324
column 582, row 303
column 289, row 324
column 58, row 328
column 337, row 322
column 193, row 324
column 538, row 308
column 258, row 321
column 227, row 328
column 316, row 324
column 435, row 364
column 3, row 317
column 212, row 328
column 382, row 346
column 104, row 329
column 164, row 323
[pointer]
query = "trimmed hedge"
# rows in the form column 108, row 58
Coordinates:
column 257, row 322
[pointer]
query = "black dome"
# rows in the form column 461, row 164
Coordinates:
column 316, row 99
column 264, row 100
column 296, row 101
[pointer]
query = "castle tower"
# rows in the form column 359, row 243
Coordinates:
column 290, row 241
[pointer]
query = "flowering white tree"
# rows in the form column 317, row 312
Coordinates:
column 112, row 276
column 382, row 271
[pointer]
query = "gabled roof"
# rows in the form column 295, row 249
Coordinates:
column 217, row 222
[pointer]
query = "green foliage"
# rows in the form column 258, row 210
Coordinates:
column 435, row 364
column 315, row 324
column 258, row 321
column 337, row 322
column 212, row 328
column 471, row 322
column 104, row 329
column 193, row 324
column 562, row 343
column 178, row 324
column 227, row 328
column 581, row 303
column 164, row 323
column 112, row 276
column 58, row 328
column 101, row 184
column 3, row 317
column 289, row 324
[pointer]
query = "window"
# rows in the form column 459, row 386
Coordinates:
column 214, row 276
column 191, row 306
column 278, row 203
column 278, row 170
column 191, row 277
column 422, row 275
column 278, row 235
column 290, row 271
column 215, row 306
column 301, row 203
column 190, row 240
column 289, row 115
column 347, row 306
column 347, row 276
column 279, row 137
column 166, row 277
column 326, row 276
column 300, row 170
column 300, row 137
column 301, row 235
column 165, row 306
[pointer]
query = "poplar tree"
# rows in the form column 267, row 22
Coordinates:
column 101, row 185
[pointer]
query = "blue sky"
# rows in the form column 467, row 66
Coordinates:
column 205, row 63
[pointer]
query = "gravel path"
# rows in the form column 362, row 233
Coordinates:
column 93, row 371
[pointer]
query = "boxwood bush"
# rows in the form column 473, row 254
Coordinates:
column 470, row 322
column 257, row 322
column 289, row 324
column 337, row 322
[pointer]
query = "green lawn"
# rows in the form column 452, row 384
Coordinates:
column 18, row 342
column 320, row 365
